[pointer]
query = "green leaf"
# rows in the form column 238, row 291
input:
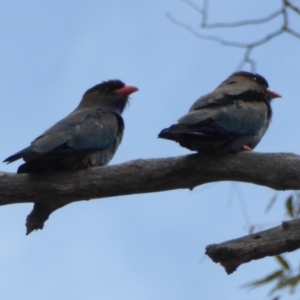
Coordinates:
column 282, row 262
column 285, row 282
column 271, row 203
column 267, row 279
column 293, row 281
column 282, row 283
column 289, row 206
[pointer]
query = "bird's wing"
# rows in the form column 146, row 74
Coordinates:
column 95, row 130
column 18, row 155
column 221, row 96
column 237, row 118
column 70, row 121
column 86, row 129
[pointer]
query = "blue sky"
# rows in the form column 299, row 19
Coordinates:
column 142, row 246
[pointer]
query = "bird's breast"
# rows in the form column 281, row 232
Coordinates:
column 243, row 118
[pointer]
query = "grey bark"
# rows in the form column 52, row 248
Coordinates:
column 50, row 191
column 231, row 254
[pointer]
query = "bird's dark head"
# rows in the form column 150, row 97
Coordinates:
column 250, row 82
column 113, row 94
column 256, row 78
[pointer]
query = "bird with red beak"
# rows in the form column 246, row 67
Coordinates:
column 88, row 137
column 233, row 118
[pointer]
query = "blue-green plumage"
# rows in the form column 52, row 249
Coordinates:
column 232, row 118
column 88, row 137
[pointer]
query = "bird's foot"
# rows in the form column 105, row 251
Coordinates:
column 90, row 164
column 245, row 148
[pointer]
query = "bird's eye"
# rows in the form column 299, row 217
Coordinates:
column 260, row 80
column 231, row 82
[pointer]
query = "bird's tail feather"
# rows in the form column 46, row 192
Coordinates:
column 18, row 155
column 31, row 167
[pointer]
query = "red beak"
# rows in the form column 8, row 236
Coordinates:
column 126, row 90
column 273, row 93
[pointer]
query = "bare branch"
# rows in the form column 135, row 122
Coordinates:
column 291, row 6
column 50, row 191
column 243, row 23
column 292, row 32
column 247, row 46
column 203, row 36
column 266, row 39
column 204, row 13
column 231, row 254
column 193, row 5
column 247, row 60
column 259, row 42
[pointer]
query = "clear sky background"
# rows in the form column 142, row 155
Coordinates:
column 142, row 246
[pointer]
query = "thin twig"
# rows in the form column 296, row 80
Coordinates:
column 244, row 23
column 266, row 39
column 221, row 41
column 292, row 32
column 194, row 6
column 203, row 36
column 204, row 14
column 247, row 59
column 291, row 6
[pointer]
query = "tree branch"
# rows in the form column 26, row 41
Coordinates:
column 231, row 254
column 248, row 46
column 54, row 190
column 291, row 6
column 203, row 11
column 244, row 23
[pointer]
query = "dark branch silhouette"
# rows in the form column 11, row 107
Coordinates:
column 296, row 9
column 51, row 191
column 250, row 46
column 231, row 254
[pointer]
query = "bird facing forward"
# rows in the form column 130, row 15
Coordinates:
column 233, row 118
column 88, row 137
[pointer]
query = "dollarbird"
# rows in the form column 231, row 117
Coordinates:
column 88, row 137
column 232, row 118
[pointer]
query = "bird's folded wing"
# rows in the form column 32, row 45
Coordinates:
column 97, row 130
column 239, row 118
